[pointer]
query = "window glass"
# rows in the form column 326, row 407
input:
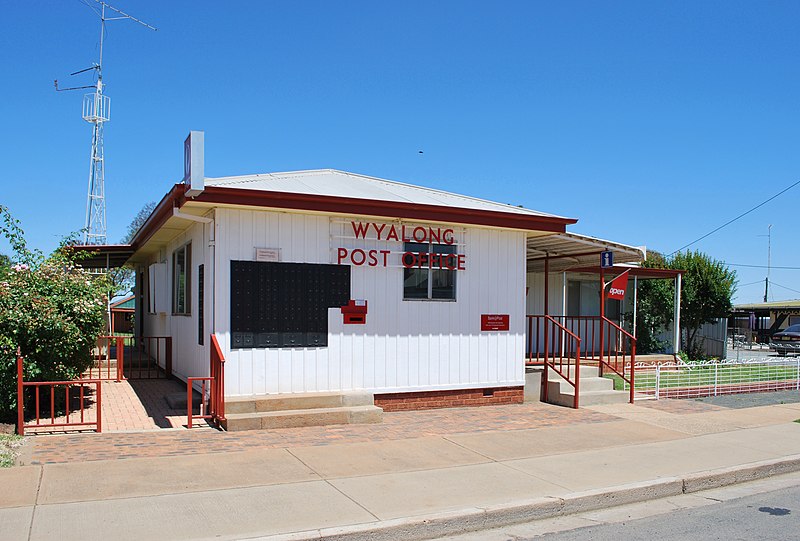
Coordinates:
column 443, row 273
column 415, row 279
column 181, row 263
column 432, row 276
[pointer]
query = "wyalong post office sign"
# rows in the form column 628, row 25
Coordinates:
column 381, row 244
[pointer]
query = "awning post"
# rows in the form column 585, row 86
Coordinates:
column 602, row 316
column 546, row 284
column 676, row 342
column 635, row 302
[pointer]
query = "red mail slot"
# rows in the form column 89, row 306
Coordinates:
column 355, row 312
column 494, row 322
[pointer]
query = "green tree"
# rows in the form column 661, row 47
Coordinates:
column 655, row 298
column 122, row 279
column 138, row 221
column 706, row 292
column 51, row 308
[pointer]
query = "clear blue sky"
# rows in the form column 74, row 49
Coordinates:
column 650, row 122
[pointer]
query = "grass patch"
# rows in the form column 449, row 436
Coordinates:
column 618, row 381
column 700, row 376
column 10, row 445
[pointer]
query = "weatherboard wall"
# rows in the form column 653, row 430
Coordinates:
column 404, row 345
column 189, row 358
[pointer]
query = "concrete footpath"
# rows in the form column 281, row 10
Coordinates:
column 401, row 489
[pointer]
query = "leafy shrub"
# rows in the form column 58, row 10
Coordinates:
column 51, row 308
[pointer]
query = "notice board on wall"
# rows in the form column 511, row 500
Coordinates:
column 276, row 305
column 494, row 322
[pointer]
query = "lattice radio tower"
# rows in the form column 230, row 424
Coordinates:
column 97, row 111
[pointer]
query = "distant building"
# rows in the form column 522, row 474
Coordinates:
column 122, row 315
column 757, row 322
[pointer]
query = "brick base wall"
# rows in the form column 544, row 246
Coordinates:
column 450, row 399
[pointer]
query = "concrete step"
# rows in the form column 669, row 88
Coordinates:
column 303, row 417
column 587, row 384
column 589, row 398
column 298, row 401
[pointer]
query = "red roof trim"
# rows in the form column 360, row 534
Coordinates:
column 173, row 199
column 389, row 209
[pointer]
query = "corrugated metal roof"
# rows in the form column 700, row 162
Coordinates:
column 330, row 182
column 570, row 250
column 123, row 303
column 772, row 305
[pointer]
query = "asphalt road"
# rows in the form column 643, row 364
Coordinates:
column 769, row 516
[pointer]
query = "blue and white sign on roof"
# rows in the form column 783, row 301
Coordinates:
column 606, row 259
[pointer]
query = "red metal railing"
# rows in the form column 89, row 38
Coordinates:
column 107, row 359
column 562, row 353
column 71, row 416
column 598, row 341
column 148, row 357
column 618, row 353
column 588, row 328
column 212, row 398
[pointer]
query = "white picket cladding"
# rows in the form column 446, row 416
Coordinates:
column 404, row 345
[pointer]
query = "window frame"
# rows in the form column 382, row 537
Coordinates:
column 430, row 269
column 187, row 282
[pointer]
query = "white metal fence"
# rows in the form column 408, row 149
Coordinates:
column 713, row 378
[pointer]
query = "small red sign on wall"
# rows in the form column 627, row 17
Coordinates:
column 494, row 322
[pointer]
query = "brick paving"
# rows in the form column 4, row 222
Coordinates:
column 129, row 405
column 400, row 425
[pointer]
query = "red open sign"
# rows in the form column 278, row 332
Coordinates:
column 494, row 322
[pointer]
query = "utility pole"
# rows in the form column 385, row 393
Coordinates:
column 769, row 262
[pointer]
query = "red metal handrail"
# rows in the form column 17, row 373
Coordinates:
column 205, row 407
column 37, row 385
column 618, row 359
column 212, row 403
column 150, row 357
column 561, row 351
column 104, row 366
column 218, row 373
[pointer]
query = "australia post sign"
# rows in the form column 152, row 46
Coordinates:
column 374, row 244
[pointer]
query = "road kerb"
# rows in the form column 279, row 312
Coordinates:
column 740, row 474
column 476, row 519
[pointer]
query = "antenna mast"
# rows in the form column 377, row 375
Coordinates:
column 97, row 111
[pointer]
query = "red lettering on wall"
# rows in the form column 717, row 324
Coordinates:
column 360, row 229
column 392, row 235
column 342, row 255
column 447, row 236
column 362, row 257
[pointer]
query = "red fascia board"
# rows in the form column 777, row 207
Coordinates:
column 389, row 209
column 174, row 198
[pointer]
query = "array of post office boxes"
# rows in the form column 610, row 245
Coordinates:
column 284, row 304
